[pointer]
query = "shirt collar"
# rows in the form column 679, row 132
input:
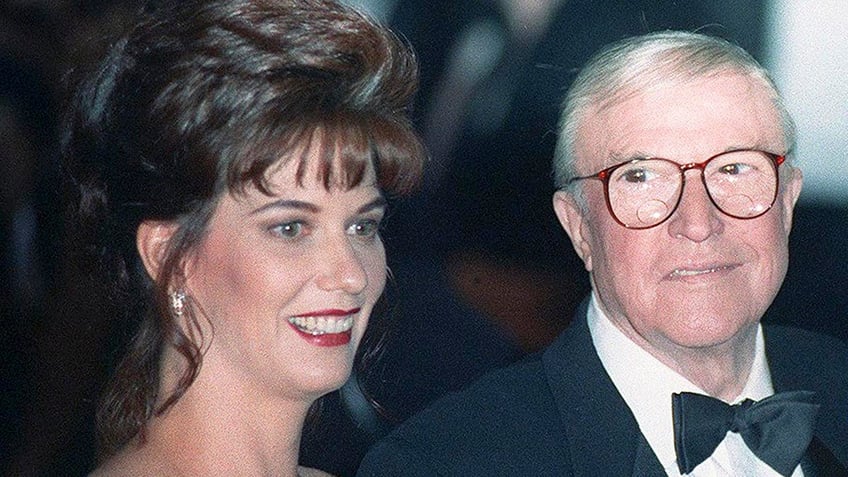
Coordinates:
column 646, row 384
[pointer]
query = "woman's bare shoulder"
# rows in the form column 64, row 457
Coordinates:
column 136, row 461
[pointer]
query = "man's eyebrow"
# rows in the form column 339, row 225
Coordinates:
column 620, row 157
column 378, row 202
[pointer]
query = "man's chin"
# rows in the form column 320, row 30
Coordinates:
column 713, row 334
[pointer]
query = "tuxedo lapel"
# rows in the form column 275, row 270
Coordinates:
column 799, row 360
column 819, row 461
column 646, row 463
column 603, row 435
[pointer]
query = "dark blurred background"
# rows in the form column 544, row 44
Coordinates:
column 483, row 274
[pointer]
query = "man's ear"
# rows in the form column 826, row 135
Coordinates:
column 152, row 239
column 570, row 216
column 790, row 194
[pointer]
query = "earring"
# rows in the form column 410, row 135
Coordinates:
column 178, row 303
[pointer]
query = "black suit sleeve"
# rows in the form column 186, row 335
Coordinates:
column 390, row 459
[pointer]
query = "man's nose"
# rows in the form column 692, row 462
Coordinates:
column 342, row 268
column 696, row 217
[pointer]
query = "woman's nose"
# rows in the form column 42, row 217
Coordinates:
column 342, row 269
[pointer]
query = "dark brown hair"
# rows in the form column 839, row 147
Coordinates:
column 199, row 99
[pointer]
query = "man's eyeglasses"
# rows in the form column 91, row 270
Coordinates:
column 643, row 193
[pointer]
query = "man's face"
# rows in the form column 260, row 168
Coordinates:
column 701, row 279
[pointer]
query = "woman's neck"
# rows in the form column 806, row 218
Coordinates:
column 224, row 425
column 229, row 433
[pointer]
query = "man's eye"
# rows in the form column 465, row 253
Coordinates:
column 734, row 169
column 288, row 229
column 637, row 175
column 364, row 228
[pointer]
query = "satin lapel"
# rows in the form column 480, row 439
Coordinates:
column 819, row 461
column 602, row 433
column 790, row 366
column 646, row 463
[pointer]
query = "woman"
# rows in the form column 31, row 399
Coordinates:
column 232, row 161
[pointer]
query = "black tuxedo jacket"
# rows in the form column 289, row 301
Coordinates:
column 557, row 413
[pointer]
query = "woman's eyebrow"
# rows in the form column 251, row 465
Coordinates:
column 378, row 202
column 287, row 204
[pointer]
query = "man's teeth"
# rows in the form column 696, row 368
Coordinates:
column 322, row 325
column 691, row 273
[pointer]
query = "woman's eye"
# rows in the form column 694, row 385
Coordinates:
column 364, row 228
column 288, row 229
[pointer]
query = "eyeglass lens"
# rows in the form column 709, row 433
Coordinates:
column 644, row 193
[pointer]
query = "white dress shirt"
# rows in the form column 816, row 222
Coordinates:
column 646, row 384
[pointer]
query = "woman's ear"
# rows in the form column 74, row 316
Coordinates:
column 152, row 239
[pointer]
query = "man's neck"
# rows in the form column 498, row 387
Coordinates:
column 721, row 373
column 646, row 382
column 721, row 369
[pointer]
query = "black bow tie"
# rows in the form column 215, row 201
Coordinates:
column 777, row 429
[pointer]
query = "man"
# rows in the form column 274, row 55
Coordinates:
column 675, row 188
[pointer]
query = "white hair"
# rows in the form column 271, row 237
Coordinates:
column 634, row 64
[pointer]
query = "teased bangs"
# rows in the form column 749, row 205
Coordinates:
column 343, row 146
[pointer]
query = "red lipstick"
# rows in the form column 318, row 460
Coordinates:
column 331, row 312
column 330, row 327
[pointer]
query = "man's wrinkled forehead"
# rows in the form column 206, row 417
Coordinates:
column 753, row 88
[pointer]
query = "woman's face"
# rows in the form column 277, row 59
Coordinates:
column 287, row 282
